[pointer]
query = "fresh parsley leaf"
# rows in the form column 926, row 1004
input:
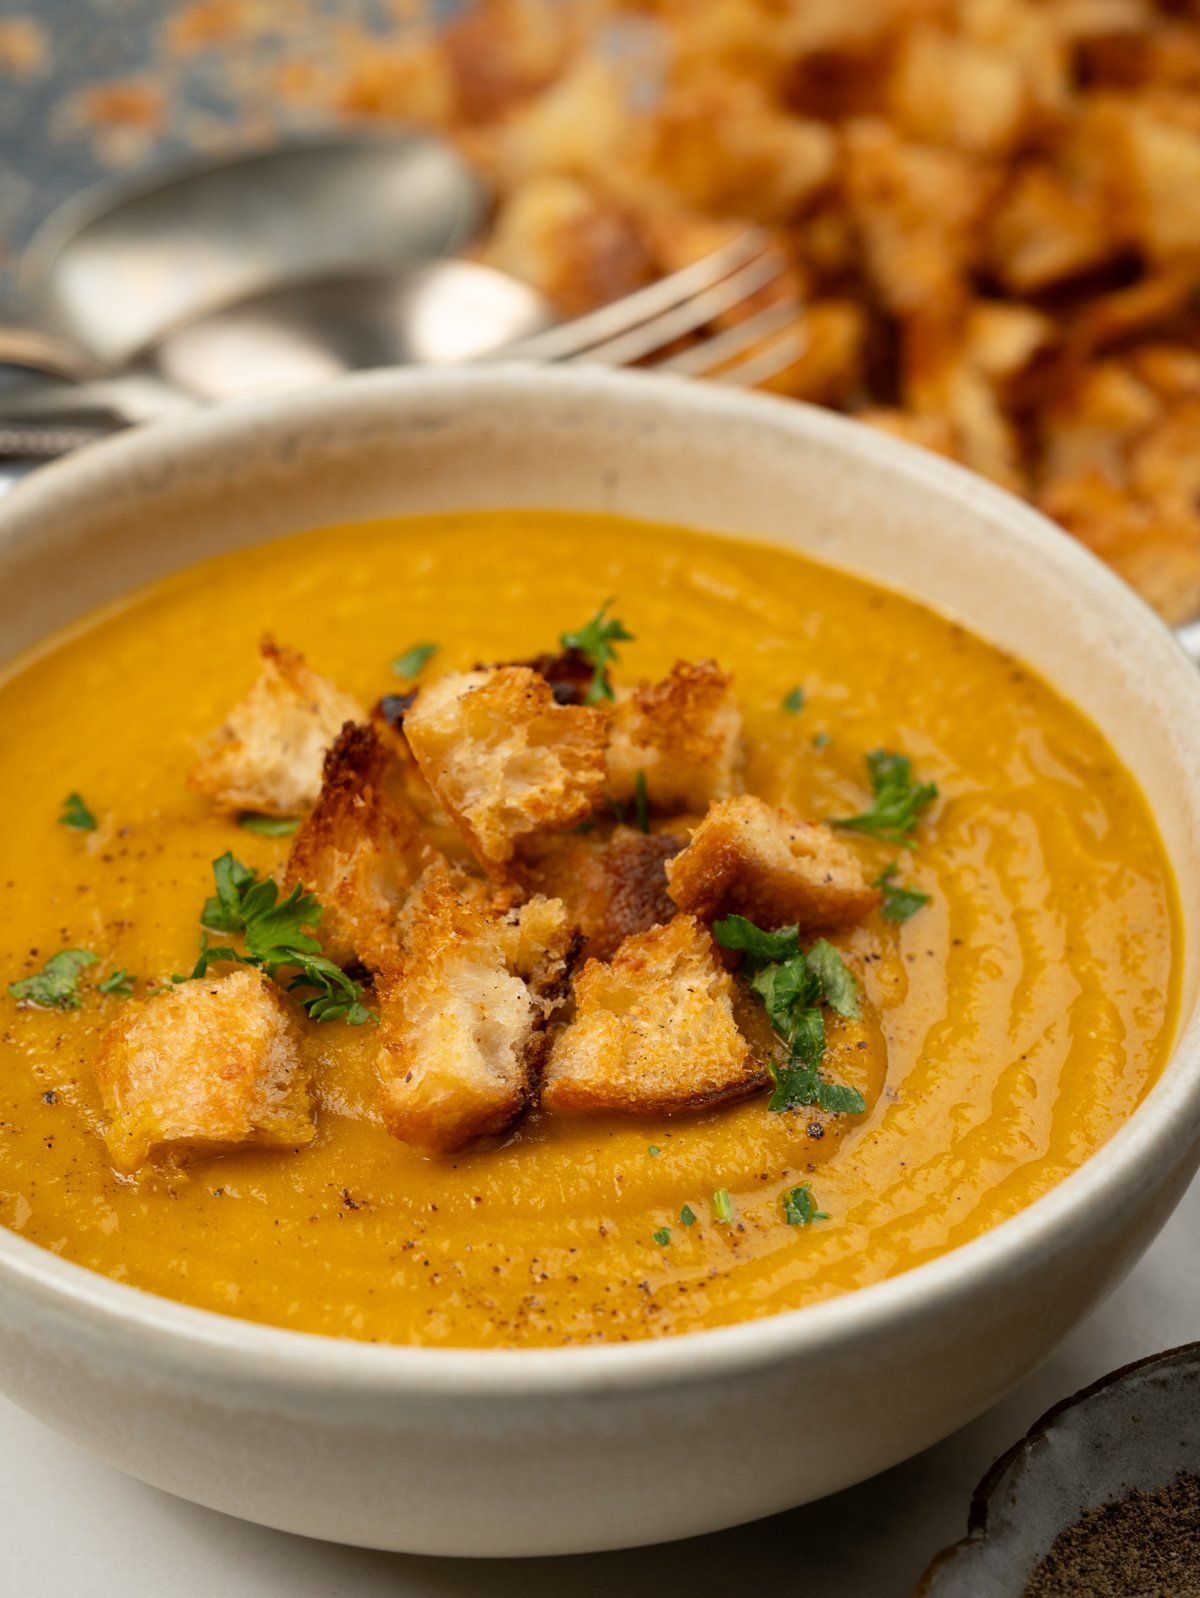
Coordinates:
column 641, row 801
column 276, row 939
column 662, row 1237
column 722, row 1206
column 595, row 640
column 760, row 947
column 56, row 985
column 898, row 804
column 788, row 989
column 654, row 1151
column 821, row 740
column 800, row 1208
column 838, row 1099
column 837, row 984
column 793, row 986
column 687, row 1216
column 269, row 826
column 75, row 814
column 898, row 903
column 119, row 985
column 794, row 703
column 794, row 1086
column 413, row 661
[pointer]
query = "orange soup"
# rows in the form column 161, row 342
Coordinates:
column 1021, row 1013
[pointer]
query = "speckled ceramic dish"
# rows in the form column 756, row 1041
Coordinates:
column 521, row 1452
column 1136, row 1430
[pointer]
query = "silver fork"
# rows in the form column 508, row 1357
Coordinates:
column 342, row 319
column 641, row 328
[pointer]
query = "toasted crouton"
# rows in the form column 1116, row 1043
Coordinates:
column 612, row 887
column 504, row 759
column 654, row 1031
column 685, row 733
column 205, row 1068
column 361, row 849
column 463, row 1013
column 267, row 757
column 748, row 858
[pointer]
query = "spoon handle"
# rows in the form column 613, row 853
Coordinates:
column 42, row 352
column 40, row 441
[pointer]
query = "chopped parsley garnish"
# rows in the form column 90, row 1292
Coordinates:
column 820, row 740
column 56, row 985
column 276, row 940
column 722, row 1206
column 596, row 640
column 662, row 1237
column 75, row 814
column 413, row 661
column 641, row 801
column 837, row 985
column 269, row 826
column 760, row 947
column 119, row 985
column 654, row 1151
column 793, row 985
column 800, row 1208
column 794, row 703
column 898, row 902
column 687, row 1216
column 898, row 804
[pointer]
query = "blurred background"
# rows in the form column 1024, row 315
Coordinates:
column 985, row 212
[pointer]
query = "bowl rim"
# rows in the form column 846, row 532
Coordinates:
column 315, row 1363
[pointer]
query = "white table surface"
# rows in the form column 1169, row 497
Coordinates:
column 69, row 1524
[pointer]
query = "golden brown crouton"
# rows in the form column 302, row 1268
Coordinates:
column 463, row 1013
column 685, row 733
column 654, row 1031
column 267, row 757
column 361, row 849
column 750, row 859
column 611, row 887
column 207, row 1067
column 504, row 759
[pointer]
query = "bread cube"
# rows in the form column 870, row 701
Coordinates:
column 211, row 1066
column 684, row 733
column 361, row 849
column 268, row 755
column 611, row 887
column 654, row 1031
column 504, row 759
column 463, row 1013
column 750, row 859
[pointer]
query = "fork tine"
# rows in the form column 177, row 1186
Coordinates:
column 689, row 317
column 764, row 364
column 611, row 321
column 742, row 338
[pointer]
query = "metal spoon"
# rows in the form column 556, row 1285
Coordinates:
column 115, row 268
column 442, row 312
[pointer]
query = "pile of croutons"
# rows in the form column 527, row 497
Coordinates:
column 526, row 880
column 989, row 208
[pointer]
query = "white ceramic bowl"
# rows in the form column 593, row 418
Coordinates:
column 562, row 1450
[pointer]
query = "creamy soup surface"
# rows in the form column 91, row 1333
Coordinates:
column 1025, row 1010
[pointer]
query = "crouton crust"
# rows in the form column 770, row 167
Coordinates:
column 504, row 759
column 268, row 755
column 206, row 1067
column 612, row 887
column 748, row 858
column 685, row 733
column 361, row 849
column 654, row 1031
column 463, row 1012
